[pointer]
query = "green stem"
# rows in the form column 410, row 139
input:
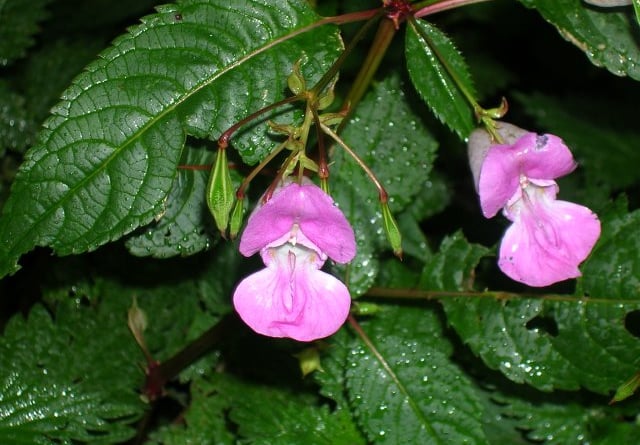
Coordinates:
column 384, row 197
column 223, row 140
column 335, row 68
column 160, row 374
column 416, row 294
column 258, row 169
column 432, row 8
column 381, row 42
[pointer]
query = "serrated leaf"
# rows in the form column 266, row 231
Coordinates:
column 561, row 419
column 63, row 380
column 271, row 415
column 204, row 420
column 404, row 388
column 607, row 37
column 18, row 25
column 185, row 227
column 385, row 132
column 108, row 155
column 436, row 67
column 533, row 339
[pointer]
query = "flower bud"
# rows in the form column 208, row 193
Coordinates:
column 393, row 232
column 236, row 218
column 220, row 195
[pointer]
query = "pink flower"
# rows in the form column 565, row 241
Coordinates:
column 295, row 232
column 548, row 238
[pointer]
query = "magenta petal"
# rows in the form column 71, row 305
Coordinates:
column 309, row 207
column 268, row 222
column 547, row 242
column 499, row 179
column 325, row 225
column 302, row 303
column 543, row 156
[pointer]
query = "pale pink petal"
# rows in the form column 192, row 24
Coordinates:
column 292, row 299
column 547, row 242
column 499, row 179
column 543, row 156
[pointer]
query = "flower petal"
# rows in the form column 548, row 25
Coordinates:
column 543, row 156
column 296, row 301
column 313, row 210
column 499, row 179
column 325, row 225
column 547, row 242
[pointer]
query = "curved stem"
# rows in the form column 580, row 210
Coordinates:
column 445, row 5
column 416, row 294
column 335, row 68
column 381, row 42
column 384, row 197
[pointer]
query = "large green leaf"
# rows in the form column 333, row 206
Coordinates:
column 562, row 418
column 608, row 37
column 107, row 157
column 18, row 25
column 268, row 415
column 186, row 227
column 438, row 72
column 61, row 379
column 533, row 339
column 386, row 134
column 403, row 386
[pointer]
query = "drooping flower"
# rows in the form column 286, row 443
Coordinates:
column 295, row 232
column 549, row 238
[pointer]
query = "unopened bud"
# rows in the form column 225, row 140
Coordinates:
column 626, row 389
column 220, row 193
column 296, row 81
column 391, row 228
column 236, row 218
column 308, row 360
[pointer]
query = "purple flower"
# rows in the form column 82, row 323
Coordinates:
column 548, row 238
column 295, row 232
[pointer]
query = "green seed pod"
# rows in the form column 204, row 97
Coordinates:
column 236, row 218
column 391, row 228
column 220, row 193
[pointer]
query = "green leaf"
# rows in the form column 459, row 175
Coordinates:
column 18, row 25
column 186, row 226
column 560, row 419
column 533, row 339
column 403, row 387
column 438, row 72
column 607, row 37
column 61, row 379
column 108, row 155
column 204, row 420
column 386, row 134
column 269, row 415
